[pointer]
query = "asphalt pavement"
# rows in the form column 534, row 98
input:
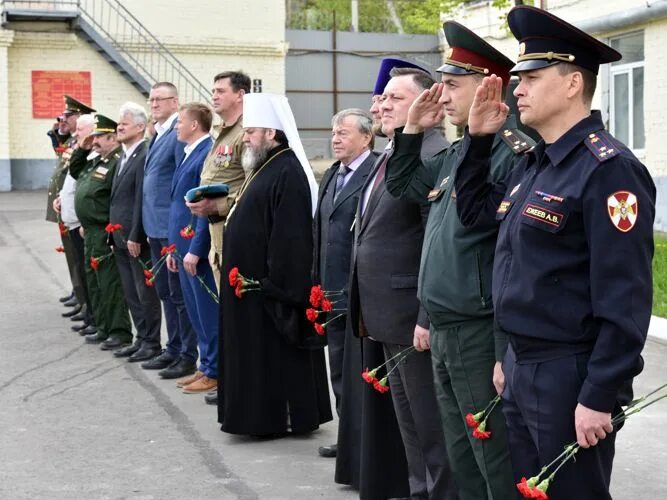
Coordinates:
column 77, row 423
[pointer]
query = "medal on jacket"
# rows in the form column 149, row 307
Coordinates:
column 223, row 156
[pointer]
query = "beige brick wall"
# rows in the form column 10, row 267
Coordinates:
column 56, row 51
column 5, row 40
column 208, row 36
column 655, row 96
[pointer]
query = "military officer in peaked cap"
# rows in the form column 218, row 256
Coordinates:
column 73, row 109
column 91, row 202
column 456, row 263
column 572, row 284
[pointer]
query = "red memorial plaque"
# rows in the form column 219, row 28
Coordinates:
column 48, row 88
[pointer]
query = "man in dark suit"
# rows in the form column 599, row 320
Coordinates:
column 165, row 153
column 129, row 243
column 383, row 303
column 352, row 142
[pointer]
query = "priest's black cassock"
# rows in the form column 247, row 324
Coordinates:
column 266, row 374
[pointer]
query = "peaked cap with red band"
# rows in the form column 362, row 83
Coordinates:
column 470, row 54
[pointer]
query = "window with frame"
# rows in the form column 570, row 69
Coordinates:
column 626, row 91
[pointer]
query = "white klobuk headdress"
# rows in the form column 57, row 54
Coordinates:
column 262, row 110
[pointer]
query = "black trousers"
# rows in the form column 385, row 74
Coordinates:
column 413, row 394
column 539, row 403
column 78, row 271
column 142, row 301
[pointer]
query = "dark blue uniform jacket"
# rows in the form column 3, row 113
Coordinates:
column 572, row 271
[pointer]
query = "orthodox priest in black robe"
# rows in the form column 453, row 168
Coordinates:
column 272, row 379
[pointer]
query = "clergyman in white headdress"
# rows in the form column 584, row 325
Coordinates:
column 271, row 384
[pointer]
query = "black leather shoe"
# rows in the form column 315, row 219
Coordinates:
column 328, row 451
column 78, row 328
column 127, row 351
column 89, row 330
column 160, row 363
column 144, row 354
column 181, row 369
column 72, row 312
column 113, row 343
column 71, row 302
column 95, row 339
column 66, row 297
column 79, row 317
column 211, row 398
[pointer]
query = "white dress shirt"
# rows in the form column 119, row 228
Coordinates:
column 160, row 129
column 191, row 147
column 369, row 188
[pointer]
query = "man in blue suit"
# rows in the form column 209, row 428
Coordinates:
column 191, row 236
column 164, row 155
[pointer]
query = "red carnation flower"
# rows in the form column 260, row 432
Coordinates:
column 239, row 290
column 311, row 314
column 327, row 306
column 369, row 376
column 170, row 249
column 148, row 274
column 149, row 282
column 109, row 229
column 233, row 276
column 94, row 263
column 60, row 249
column 381, row 385
column 481, row 432
column 474, row 420
column 187, row 232
column 62, row 228
column 316, row 296
column 318, row 328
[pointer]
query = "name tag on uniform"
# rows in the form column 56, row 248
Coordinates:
column 102, row 170
column 542, row 214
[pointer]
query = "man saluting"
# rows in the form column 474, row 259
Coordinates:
column 572, row 271
column 271, row 385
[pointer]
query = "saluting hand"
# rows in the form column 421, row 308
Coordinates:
column 591, row 425
column 488, row 111
column 85, row 142
column 426, row 111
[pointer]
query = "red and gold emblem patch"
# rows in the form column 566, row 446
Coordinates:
column 622, row 209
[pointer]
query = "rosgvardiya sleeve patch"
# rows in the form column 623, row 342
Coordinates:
column 623, row 209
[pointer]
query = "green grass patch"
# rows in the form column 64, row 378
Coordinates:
column 660, row 276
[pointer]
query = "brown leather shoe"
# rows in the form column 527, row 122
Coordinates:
column 204, row 384
column 182, row 382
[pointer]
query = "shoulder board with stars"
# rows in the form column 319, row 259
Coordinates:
column 517, row 140
column 601, row 145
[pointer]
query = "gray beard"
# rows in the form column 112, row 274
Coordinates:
column 254, row 157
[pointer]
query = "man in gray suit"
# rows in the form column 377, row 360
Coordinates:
column 129, row 243
column 352, row 143
column 383, row 301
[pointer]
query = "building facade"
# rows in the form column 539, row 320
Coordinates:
column 116, row 49
column 632, row 93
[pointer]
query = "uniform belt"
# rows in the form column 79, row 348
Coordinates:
column 214, row 219
column 533, row 350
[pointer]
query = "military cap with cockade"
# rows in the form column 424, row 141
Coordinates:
column 470, row 54
column 74, row 106
column 386, row 66
column 546, row 40
column 104, row 125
